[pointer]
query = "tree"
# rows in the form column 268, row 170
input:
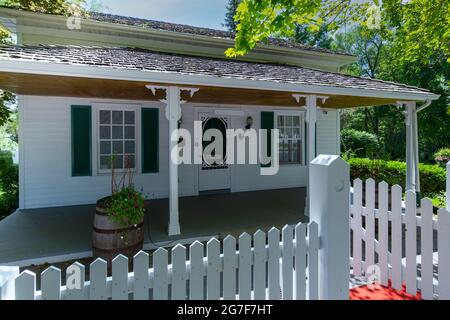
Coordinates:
column 230, row 23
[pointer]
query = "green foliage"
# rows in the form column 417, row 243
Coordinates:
column 126, row 206
column 432, row 177
column 61, row 7
column 230, row 23
column 360, row 143
column 9, row 184
column 442, row 156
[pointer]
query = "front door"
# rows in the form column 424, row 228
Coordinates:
column 214, row 172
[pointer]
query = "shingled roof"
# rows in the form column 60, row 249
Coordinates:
column 146, row 60
column 182, row 28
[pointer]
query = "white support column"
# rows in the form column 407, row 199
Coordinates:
column 447, row 189
column 330, row 204
column 173, row 114
column 412, row 157
column 311, row 119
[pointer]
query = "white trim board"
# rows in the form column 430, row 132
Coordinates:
column 45, row 68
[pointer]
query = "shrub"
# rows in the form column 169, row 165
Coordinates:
column 9, row 184
column 360, row 143
column 442, row 156
column 432, row 177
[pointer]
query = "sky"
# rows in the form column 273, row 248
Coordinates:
column 200, row 13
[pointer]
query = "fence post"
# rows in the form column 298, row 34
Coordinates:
column 329, row 181
column 447, row 189
column 7, row 283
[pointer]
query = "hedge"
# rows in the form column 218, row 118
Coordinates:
column 432, row 177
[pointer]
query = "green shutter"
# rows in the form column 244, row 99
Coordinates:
column 81, row 141
column 150, row 140
column 267, row 121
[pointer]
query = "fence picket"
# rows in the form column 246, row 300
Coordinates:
column 25, row 286
column 426, row 249
column 179, row 272
column 51, row 283
column 300, row 261
column 287, row 262
column 229, row 266
column 196, row 291
column 259, row 268
column 97, row 277
column 396, row 235
column 141, row 280
column 357, row 222
column 313, row 261
column 161, row 277
column 120, row 278
column 444, row 254
column 383, row 232
column 411, row 243
column 274, row 264
column 370, row 224
column 213, row 269
column 75, row 281
column 245, row 266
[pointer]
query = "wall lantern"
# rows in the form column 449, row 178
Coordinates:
column 249, row 123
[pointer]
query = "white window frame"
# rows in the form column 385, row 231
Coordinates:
column 302, row 115
column 97, row 107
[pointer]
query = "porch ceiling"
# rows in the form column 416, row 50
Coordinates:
column 64, row 86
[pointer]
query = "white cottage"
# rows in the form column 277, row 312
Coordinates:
column 111, row 84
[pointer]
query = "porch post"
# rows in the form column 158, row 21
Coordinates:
column 173, row 114
column 412, row 156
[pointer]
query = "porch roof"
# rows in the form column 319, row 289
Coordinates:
column 26, row 70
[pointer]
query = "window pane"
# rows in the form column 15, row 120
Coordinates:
column 117, row 117
column 288, row 132
column 118, row 162
column 296, row 121
column 105, row 132
column 105, row 162
column 296, row 133
column 280, row 121
column 117, row 132
column 105, row 117
column 129, row 146
column 129, row 132
column 105, row 147
column 129, row 117
column 288, row 121
column 129, row 161
column 117, row 147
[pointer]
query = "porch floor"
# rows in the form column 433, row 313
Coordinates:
column 62, row 233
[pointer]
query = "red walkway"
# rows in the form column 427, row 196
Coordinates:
column 381, row 293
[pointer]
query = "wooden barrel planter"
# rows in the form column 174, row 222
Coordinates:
column 110, row 239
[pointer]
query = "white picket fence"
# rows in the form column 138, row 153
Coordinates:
column 397, row 239
column 259, row 268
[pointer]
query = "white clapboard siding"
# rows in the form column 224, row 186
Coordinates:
column 197, row 274
column 245, row 264
column 230, row 264
column 161, row 276
column 75, row 282
column 383, row 232
column 411, row 243
column 396, row 237
column 51, row 284
column 260, row 258
column 25, row 286
column 444, row 254
column 287, row 262
column 370, row 224
column 357, row 221
column 141, row 279
column 213, row 269
column 179, row 275
column 426, row 244
column 98, row 280
column 274, row 264
column 300, row 261
column 120, row 278
column 313, row 261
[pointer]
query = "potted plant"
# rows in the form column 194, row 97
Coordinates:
column 119, row 218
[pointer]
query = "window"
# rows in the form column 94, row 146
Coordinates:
column 291, row 137
column 117, row 136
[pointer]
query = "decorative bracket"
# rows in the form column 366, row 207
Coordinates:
column 298, row 96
